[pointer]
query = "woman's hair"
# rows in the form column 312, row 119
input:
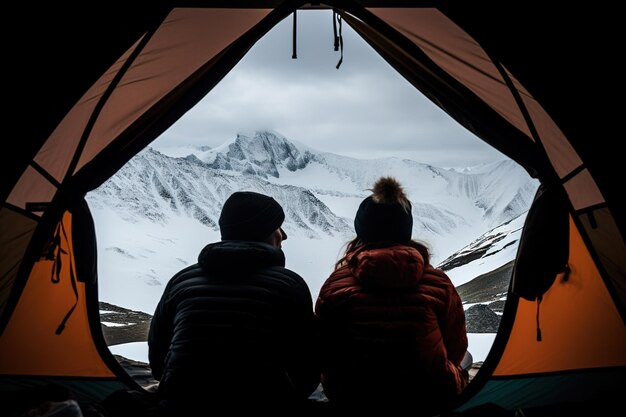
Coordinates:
column 356, row 244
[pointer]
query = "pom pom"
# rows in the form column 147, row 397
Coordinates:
column 387, row 190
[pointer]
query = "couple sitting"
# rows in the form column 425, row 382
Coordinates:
column 238, row 329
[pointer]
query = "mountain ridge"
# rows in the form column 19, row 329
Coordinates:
column 486, row 197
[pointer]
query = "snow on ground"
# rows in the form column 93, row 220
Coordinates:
column 480, row 345
column 111, row 324
column 137, row 351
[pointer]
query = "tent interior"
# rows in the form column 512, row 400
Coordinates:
column 527, row 79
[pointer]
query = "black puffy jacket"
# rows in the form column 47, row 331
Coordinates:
column 236, row 327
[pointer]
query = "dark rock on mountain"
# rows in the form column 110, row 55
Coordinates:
column 126, row 325
column 481, row 319
column 488, row 287
column 497, row 306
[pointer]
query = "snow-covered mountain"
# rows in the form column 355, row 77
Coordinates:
column 158, row 187
column 262, row 154
column 153, row 217
column 486, row 253
column 450, row 208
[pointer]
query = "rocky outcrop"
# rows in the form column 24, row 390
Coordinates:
column 497, row 306
column 488, row 287
column 481, row 319
column 120, row 325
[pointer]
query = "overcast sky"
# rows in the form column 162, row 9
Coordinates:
column 364, row 109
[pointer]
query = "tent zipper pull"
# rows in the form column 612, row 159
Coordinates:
column 61, row 230
column 338, row 36
column 294, row 55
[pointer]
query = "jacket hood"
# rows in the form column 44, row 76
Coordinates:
column 236, row 256
column 392, row 267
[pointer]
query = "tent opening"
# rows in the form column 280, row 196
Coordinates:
column 315, row 137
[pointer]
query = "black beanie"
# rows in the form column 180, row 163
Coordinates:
column 385, row 215
column 379, row 222
column 247, row 215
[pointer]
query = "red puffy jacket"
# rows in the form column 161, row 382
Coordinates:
column 391, row 329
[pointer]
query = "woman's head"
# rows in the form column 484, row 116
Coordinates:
column 385, row 215
column 384, row 218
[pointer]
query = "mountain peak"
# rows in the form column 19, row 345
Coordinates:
column 261, row 133
column 259, row 153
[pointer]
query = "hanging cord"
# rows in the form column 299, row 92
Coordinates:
column 53, row 253
column 564, row 278
column 335, row 37
column 538, row 328
column 294, row 55
column 57, row 266
column 338, row 36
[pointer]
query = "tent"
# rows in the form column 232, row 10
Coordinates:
column 92, row 87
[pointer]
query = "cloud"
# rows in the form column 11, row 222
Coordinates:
column 363, row 109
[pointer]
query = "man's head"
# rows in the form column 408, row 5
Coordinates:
column 247, row 215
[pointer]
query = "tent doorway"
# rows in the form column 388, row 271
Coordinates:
column 344, row 128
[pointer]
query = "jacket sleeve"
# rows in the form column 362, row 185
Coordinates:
column 453, row 328
column 324, row 310
column 159, row 336
column 330, row 316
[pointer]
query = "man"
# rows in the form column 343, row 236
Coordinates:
column 235, row 330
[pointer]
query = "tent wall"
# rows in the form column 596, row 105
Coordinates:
column 30, row 344
column 603, row 233
column 187, row 39
column 581, row 358
column 580, row 325
column 15, row 241
column 53, row 340
column 51, row 69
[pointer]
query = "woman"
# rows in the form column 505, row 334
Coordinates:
column 392, row 326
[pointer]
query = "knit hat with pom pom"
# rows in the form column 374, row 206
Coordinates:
column 385, row 215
